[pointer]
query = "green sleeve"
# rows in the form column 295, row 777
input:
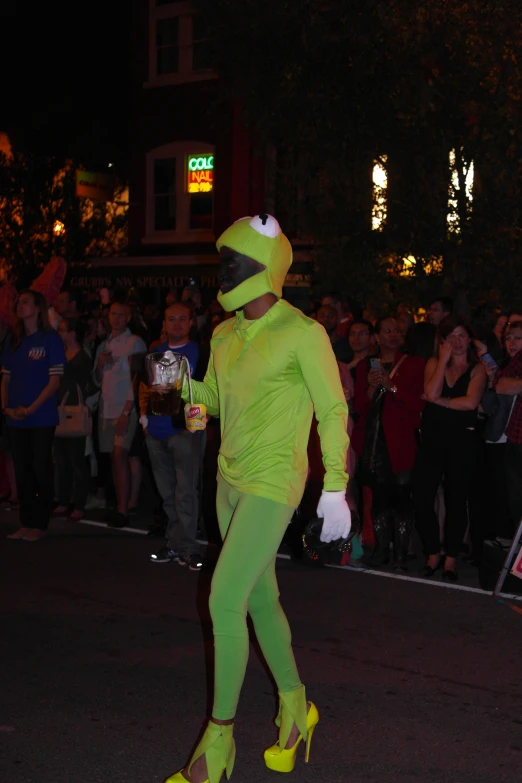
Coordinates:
column 205, row 392
column 321, row 376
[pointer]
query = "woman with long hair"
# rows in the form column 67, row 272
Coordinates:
column 32, row 363
column 454, row 382
column 72, row 468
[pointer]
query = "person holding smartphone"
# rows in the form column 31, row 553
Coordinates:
column 388, row 402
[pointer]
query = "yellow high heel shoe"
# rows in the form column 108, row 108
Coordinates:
column 218, row 746
column 292, row 709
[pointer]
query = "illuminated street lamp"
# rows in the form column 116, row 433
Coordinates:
column 58, row 228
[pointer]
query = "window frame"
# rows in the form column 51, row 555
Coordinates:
column 173, row 191
column 180, row 150
column 185, row 12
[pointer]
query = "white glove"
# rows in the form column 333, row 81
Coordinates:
column 337, row 517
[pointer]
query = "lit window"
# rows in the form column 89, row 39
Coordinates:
column 165, row 194
column 380, row 199
column 180, row 197
column 409, row 265
column 461, row 180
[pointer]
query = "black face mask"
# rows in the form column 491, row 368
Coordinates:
column 235, row 268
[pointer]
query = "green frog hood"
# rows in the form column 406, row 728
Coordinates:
column 260, row 238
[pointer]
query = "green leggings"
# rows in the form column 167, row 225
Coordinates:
column 245, row 581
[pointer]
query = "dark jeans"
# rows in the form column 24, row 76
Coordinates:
column 72, row 471
column 32, row 450
column 514, row 481
column 452, row 456
column 176, row 465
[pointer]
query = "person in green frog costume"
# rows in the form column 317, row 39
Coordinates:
column 270, row 367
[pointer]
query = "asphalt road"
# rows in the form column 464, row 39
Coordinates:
column 106, row 662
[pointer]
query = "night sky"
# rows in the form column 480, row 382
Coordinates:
column 65, row 78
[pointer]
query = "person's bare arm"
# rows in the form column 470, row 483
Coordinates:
column 471, row 400
column 10, row 412
column 509, row 386
column 52, row 387
column 435, row 372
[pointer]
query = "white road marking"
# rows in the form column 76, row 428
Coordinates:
column 104, row 524
column 369, row 571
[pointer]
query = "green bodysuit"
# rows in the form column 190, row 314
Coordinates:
column 265, row 378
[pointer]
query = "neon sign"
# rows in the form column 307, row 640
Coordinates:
column 200, row 170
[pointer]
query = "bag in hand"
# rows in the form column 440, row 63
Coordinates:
column 75, row 420
column 319, row 552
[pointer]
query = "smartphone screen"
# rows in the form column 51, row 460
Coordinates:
column 489, row 361
column 375, row 364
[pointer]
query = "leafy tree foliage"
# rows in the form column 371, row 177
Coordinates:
column 40, row 216
column 327, row 87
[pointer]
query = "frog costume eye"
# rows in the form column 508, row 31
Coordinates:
column 260, row 238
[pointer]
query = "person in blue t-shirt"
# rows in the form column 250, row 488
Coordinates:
column 175, row 454
column 32, row 363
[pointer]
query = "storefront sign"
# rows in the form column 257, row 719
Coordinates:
column 200, row 173
column 98, row 187
column 141, row 281
column 168, row 282
column 298, row 281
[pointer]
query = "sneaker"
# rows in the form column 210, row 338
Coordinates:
column 20, row 533
column 9, row 505
column 165, row 555
column 60, row 511
column 194, row 562
column 34, row 534
column 94, row 502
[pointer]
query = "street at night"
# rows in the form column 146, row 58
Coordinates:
column 260, row 278
column 106, row 659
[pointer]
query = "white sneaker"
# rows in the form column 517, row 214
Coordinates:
column 94, row 502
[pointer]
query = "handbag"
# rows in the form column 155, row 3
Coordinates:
column 498, row 409
column 75, row 420
column 373, row 424
column 319, row 552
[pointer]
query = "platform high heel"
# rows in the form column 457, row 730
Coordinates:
column 218, row 746
column 292, row 709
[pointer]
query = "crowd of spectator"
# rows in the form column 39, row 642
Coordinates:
column 434, row 412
